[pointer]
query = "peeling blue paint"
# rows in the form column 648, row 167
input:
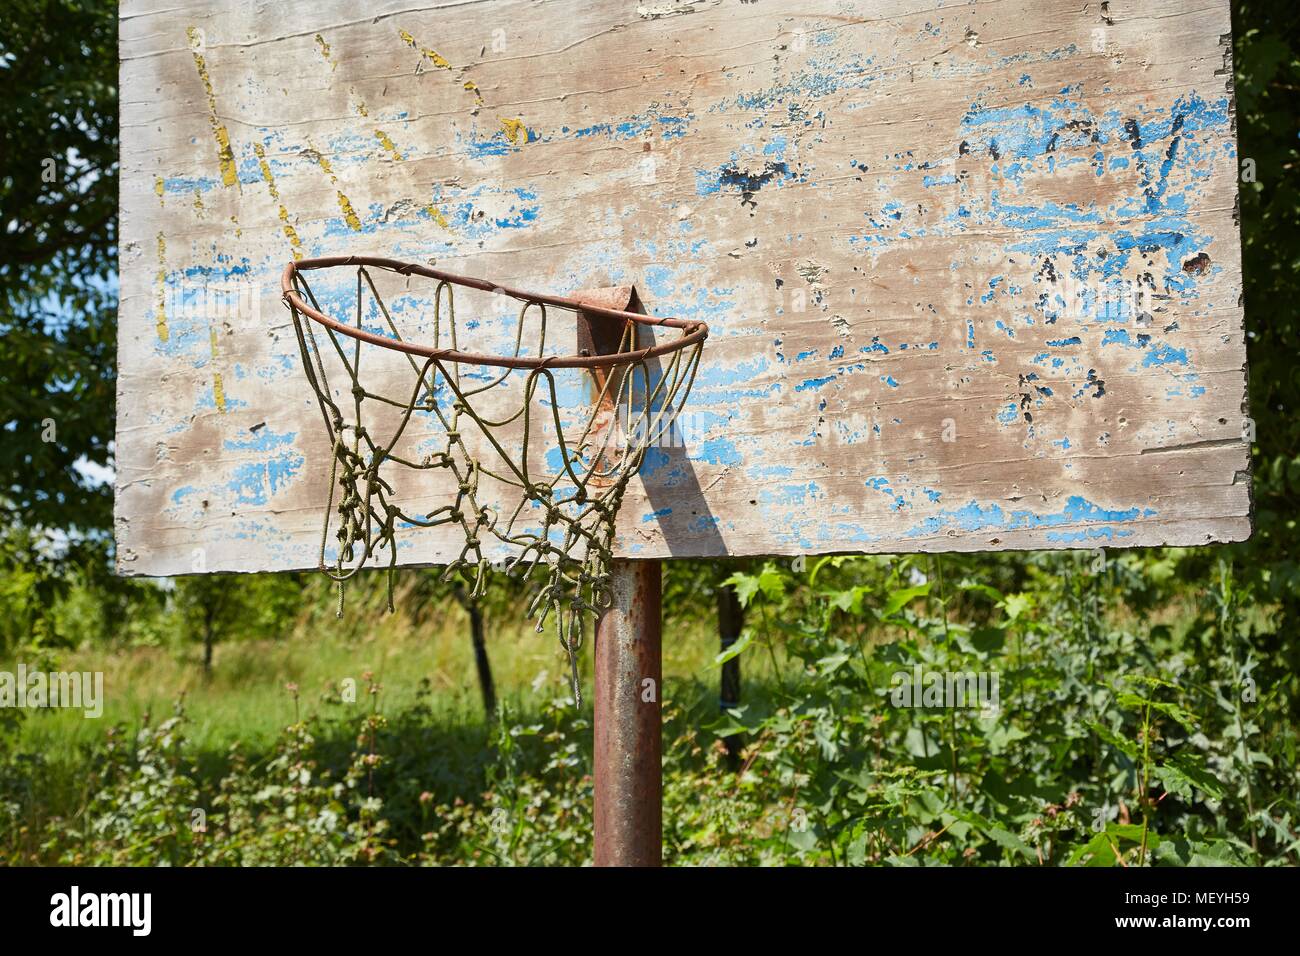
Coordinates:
column 1165, row 355
column 718, row 451
column 977, row 517
column 814, row 383
column 255, row 482
column 264, row 440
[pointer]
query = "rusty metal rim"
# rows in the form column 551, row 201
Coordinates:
column 695, row 331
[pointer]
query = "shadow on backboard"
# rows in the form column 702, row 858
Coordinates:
column 668, row 455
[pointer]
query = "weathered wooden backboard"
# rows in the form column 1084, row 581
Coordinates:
column 972, row 270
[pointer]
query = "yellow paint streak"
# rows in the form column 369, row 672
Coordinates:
column 387, row 143
column 238, row 231
column 433, row 56
column 436, row 215
column 198, row 201
column 324, row 162
column 328, row 57
column 158, row 188
column 266, row 170
column 225, row 154
column 349, row 214
column 290, row 233
column 345, row 204
column 218, row 389
column 325, row 50
column 473, row 88
column 160, row 290
column 513, row 128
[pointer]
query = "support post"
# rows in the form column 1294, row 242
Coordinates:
column 628, row 677
column 627, row 673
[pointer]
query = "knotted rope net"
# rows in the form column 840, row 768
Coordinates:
column 523, row 457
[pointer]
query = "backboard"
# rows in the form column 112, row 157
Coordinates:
column 971, row 272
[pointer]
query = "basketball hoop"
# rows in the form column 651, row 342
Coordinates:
column 560, row 518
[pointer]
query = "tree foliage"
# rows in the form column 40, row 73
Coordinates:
column 1267, row 82
column 58, row 248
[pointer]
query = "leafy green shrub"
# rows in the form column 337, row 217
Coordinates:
column 1142, row 739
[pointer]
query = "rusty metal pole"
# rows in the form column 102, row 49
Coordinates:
column 628, row 798
column 628, row 674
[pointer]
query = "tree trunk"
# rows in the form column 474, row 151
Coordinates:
column 485, row 684
column 207, row 647
column 731, row 620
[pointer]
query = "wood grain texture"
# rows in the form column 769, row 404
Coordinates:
column 972, row 271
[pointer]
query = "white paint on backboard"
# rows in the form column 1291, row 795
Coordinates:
column 972, row 271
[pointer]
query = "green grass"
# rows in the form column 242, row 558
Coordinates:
column 245, row 699
column 1076, row 650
